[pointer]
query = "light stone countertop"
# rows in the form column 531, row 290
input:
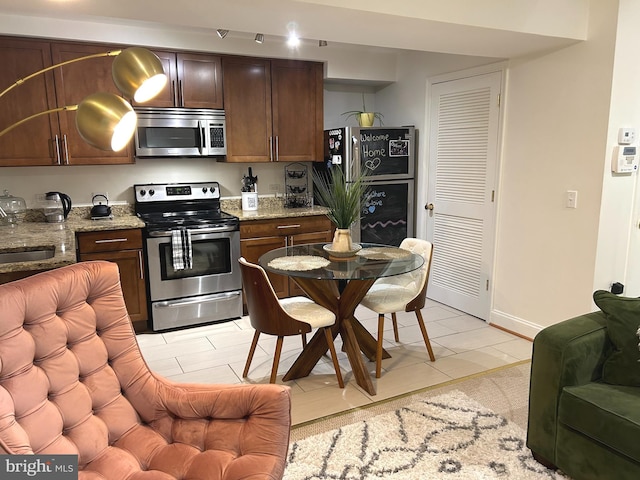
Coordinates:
column 34, row 234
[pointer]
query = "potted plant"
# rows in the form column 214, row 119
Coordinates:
column 343, row 199
column 364, row 117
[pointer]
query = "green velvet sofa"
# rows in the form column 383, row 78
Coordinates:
column 587, row 428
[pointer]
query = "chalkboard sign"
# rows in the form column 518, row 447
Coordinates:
column 387, row 214
column 387, row 151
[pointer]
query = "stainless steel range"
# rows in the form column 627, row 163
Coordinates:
column 192, row 250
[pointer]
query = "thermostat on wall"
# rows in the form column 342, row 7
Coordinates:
column 625, row 159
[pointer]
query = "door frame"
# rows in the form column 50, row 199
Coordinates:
column 422, row 176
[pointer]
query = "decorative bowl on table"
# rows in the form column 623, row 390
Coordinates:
column 355, row 248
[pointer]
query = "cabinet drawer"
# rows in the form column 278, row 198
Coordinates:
column 284, row 226
column 110, row 240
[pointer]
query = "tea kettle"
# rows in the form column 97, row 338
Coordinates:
column 58, row 206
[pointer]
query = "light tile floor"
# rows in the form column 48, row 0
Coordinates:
column 463, row 345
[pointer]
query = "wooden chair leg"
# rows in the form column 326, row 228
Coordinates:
column 394, row 319
column 334, row 356
column 423, row 329
column 304, row 340
column 276, row 359
column 379, row 349
column 252, row 350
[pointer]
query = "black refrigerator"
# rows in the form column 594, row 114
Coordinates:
column 387, row 213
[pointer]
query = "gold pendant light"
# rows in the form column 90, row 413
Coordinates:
column 138, row 74
column 106, row 120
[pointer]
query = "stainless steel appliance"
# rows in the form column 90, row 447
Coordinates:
column 387, row 214
column 208, row 290
column 180, row 132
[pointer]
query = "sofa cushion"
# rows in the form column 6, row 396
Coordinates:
column 608, row 414
column 623, row 319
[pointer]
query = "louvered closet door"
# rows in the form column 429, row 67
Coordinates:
column 462, row 176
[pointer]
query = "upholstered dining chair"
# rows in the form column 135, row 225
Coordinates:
column 73, row 381
column 282, row 317
column 406, row 292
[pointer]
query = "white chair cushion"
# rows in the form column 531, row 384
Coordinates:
column 306, row 310
column 388, row 298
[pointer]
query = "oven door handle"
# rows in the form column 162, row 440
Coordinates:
column 194, row 231
column 193, row 301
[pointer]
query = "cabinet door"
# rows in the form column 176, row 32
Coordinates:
column 247, row 101
column 131, row 279
column 32, row 143
column 253, row 248
column 168, row 97
column 298, row 118
column 199, row 80
column 314, row 237
column 73, row 83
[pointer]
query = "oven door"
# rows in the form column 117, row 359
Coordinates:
column 209, row 291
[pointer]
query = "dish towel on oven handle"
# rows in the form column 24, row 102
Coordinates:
column 181, row 247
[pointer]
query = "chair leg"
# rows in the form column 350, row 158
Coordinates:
column 394, row 319
column 252, row 350
column 304, row 340
column 334, row 356
column 276, row 359
column 423, row 329
column 379, row 349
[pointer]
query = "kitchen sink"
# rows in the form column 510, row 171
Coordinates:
column 26, row 256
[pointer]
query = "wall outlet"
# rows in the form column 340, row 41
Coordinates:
column 274, row 187
column 99, row 198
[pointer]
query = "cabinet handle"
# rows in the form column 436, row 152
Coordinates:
column 56, row 141
column 112, row 240
column 174, row 90
column 277, row 149
column 271, row 149
column 181, row 93
column 66, row 149
column 289, row 226
column 141, row 265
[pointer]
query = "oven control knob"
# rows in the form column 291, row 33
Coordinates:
column 212, row 190
column 151, row 192
column 204, row 189
column 143, row 193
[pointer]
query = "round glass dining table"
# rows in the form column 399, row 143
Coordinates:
column 339, row 283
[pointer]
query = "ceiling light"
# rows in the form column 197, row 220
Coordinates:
column 259, row 38
column 322, row 43
column 222, row 32
column 293, row 40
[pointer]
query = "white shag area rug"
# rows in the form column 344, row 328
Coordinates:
column 449, row 436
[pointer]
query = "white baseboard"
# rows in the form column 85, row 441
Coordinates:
column 514, row 324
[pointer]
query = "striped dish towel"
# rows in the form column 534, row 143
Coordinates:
column 181, row 247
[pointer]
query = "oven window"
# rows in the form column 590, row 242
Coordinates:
column 210, row 257
column 174, row 137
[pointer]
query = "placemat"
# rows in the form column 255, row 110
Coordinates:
column 299, row 262
column 383, row 253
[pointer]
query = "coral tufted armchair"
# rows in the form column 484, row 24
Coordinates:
column 73, row 381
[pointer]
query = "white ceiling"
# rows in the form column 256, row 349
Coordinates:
column 501, row 28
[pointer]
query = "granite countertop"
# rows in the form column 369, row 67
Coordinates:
column 36, row 234
column 269, row 208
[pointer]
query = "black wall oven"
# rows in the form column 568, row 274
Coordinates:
column 207, row 287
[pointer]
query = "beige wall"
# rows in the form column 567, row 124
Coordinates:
column 555, row 139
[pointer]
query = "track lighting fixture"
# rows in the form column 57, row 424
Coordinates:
column 293, row 40
column 259, row 38
column 222, row 32
column 322, row 43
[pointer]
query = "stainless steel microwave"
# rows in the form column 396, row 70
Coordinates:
column 180, row 132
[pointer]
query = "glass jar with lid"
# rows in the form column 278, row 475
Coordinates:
column 12, row 209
